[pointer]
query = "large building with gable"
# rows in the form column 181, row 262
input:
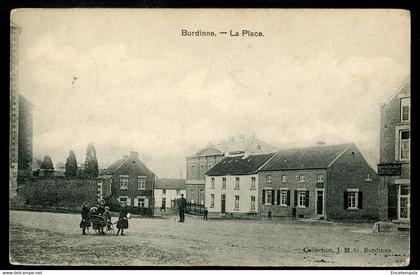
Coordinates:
column 206, row 158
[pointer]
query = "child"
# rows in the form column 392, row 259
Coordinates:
column 122, row 219
column 85, row 223
column 107, row 215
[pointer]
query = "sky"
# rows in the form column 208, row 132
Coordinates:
column 126, row 80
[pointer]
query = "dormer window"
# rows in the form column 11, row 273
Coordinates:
column 301, row 178
column 319, row 178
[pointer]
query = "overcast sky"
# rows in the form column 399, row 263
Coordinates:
column 314, row 76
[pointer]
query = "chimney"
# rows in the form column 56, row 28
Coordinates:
column 134, row 155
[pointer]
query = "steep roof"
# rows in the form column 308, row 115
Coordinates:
column 111, row 169
column 127, row 162
column 170, row 183
column 305, row 158
column 239, row 165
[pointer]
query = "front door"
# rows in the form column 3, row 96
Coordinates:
column 320, row 202
column 223, row 211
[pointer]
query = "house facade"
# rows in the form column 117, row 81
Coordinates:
column 394, row 156
column 199, row 163
column 128, row 180
column 167, row 190
column 331, row 182
column 232, row 185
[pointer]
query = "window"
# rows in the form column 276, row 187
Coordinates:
column 236, row 202
column 405, row 109
column 284, row 197
column 163, row 191
column 353, row 199
column 301, row 178
column 268, row 178
column 237, row 183
column 320, row 178
column 369, row 177
column 141, row 183
column 140, row 202
column 252, row 203
column 212, row 183
column 283, row 178
column 301, row 198
column 253, row 180
column 267, row 196
column 211, row 200
column 223, row 183
column 123, row 182
column 178, row 192
column 201, row 166
column 404, row 145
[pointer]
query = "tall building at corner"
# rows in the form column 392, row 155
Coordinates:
column 14, row 109
column 394, row 156
column 20, row 122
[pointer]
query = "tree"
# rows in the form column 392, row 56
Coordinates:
column 47, row 163
column 91, row 163
column 71, row 165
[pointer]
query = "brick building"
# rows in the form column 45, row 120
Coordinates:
column 203, row 160
column 332, row 182
column 232, row 185
column 128, row 180
column 394, row 156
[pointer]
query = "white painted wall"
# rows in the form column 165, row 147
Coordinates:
column 171, row 194
column 244, row 193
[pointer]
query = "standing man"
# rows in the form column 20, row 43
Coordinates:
column 182, row 204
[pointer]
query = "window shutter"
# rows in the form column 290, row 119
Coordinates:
column 346, row 199
column 296, row 198
column 288, row 198
column 360, row 200
column 307, row 199
column 278, row 197
column 263, row 196
column 273, row 196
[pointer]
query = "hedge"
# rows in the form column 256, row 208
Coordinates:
column 58, row 192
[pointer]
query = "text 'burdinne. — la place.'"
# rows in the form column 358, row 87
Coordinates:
column 230, row 33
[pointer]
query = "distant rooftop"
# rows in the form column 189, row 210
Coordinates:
column 235, row 145
column 170, row 183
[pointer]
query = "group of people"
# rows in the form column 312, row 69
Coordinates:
column 89, row 217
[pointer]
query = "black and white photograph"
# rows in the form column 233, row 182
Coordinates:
column 209, row 137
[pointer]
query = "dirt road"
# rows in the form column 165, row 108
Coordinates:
column 55, row 239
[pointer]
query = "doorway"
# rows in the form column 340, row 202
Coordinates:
column 320, row 202
column 223, row 206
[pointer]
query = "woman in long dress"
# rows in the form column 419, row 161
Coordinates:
column 85, row 223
